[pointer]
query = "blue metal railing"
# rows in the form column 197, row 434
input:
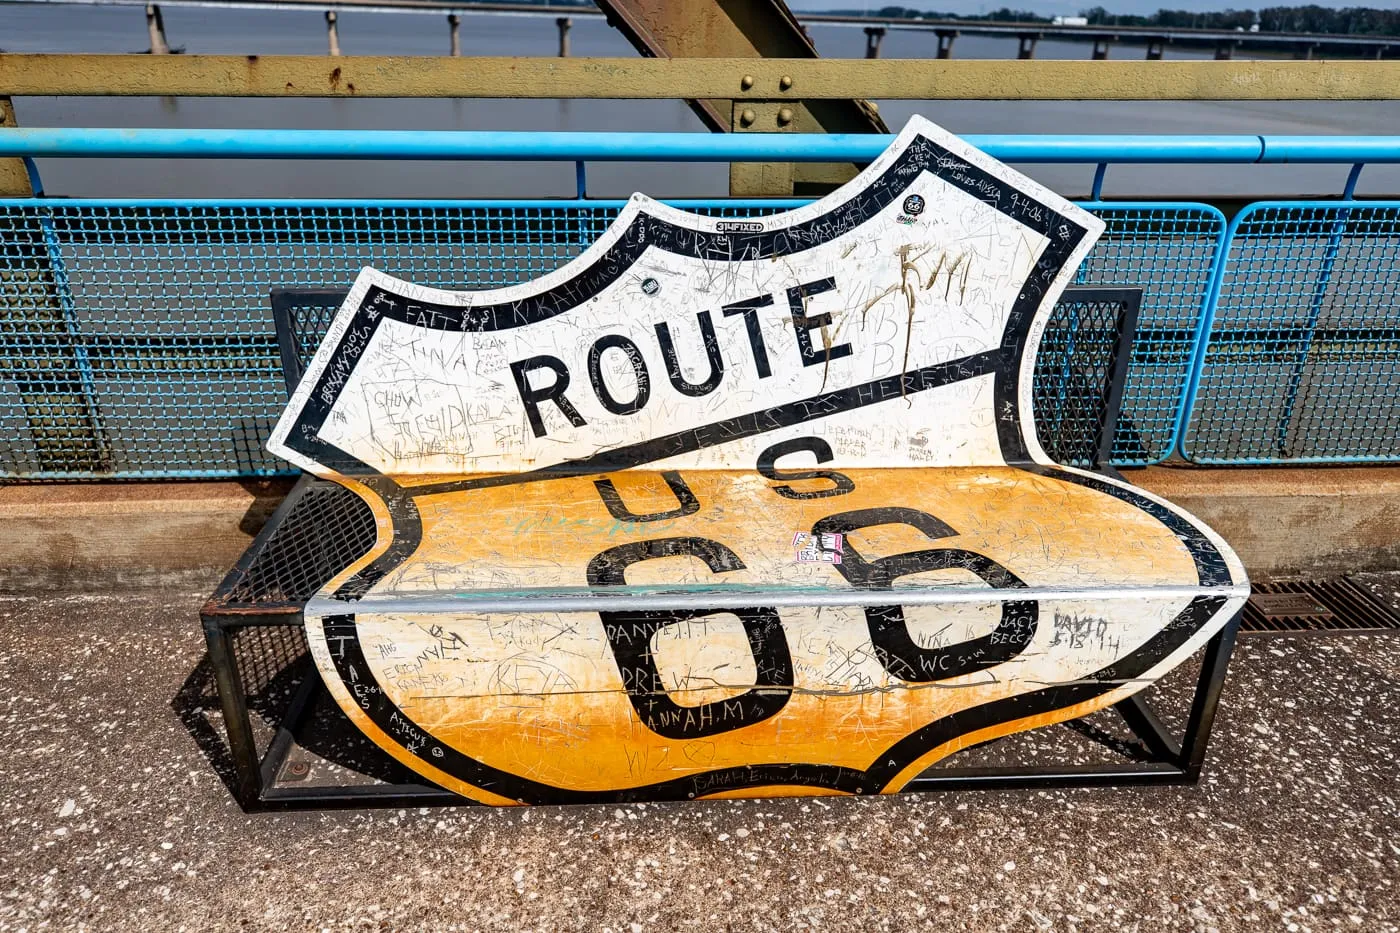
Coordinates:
column 675, row 147
column 1299, row 360
column 135, row 340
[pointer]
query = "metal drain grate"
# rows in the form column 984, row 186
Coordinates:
column 1315, row 606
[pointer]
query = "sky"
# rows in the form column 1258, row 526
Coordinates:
column 1071, row 7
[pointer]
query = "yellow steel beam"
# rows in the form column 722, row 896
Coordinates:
column 14, row 178
column 756, row 29
column 720, row 78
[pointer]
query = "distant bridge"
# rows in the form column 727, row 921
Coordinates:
column 1303, row 45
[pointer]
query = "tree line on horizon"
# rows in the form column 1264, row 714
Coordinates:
column 1359, row 21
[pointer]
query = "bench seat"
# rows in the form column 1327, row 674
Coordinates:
column 692, row 633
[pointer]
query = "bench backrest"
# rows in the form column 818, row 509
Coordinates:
column 1080, row 369
column 894, row 322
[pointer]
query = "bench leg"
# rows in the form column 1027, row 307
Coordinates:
column 1144, row 724
column 1207, row 698
column 233, row 703
column 1150, row 730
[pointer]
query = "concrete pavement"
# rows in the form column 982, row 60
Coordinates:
column 112, row 816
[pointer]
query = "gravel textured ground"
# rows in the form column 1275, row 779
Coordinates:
column 113, row 817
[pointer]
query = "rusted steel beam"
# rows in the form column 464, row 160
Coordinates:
column 757, row 29
column 763, row 29
column 721, row 78
column 14, row 178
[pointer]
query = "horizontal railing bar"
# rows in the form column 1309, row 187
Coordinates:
column 1282, row 149
column 565, row 146
column 681, row 78
column 435, row 7
column 668, row 147
column 350, row 203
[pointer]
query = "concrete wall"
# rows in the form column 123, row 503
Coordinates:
column 102, row 535
column 1293, row 521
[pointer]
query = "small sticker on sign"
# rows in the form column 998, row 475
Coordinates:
column 817, row 549
column 913, row 207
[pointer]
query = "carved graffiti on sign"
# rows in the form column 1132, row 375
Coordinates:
column 737, row 507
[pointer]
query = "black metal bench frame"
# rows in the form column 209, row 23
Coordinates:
column 250, row 598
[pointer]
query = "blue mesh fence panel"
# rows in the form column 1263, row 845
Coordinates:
column 1303, row 359
column 136, row 339
column 1168, row 250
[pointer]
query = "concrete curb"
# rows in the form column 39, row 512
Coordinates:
column 106, row 535
column 1292, row 521
column 1282, row 521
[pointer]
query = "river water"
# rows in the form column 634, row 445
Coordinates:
column 40, row 28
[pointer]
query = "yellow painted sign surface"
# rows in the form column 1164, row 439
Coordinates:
column 752, row 698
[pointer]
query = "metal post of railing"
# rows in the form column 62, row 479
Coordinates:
column 55, row 385
column 332, row 32
column 1282, row 442
column 454, row 24
column 70, row 434
column 874, row 35
column 565, row 24
column 1096, row 193
column 155, row 28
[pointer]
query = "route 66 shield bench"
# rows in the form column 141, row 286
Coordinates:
column 736, row 508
